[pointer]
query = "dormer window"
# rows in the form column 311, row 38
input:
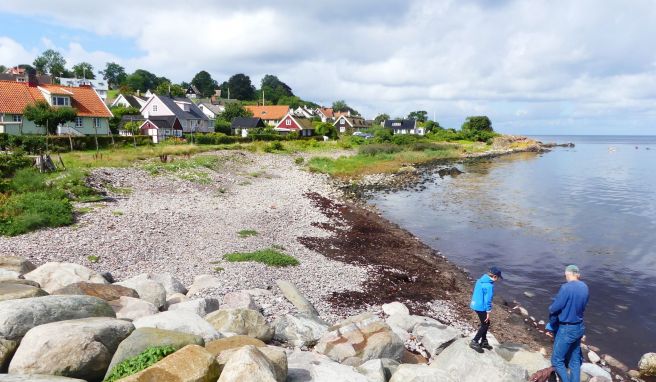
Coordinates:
column 61, row 101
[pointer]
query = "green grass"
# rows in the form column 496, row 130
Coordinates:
column 93, row 258
column 83, row 210
column 140, row 362
column 219, row 269
column 121, row 191
column 247, row 233
column 117, row 213
column 187, row 169
column 267, row 256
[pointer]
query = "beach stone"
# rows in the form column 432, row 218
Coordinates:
column 402, row 333
column 613, row 362
column 179, row 321
column 171, row 284
column 129, row 308
column 408, row 322
column 175, row 298
column 149, row 290
column 36, row 378
column 80, row 348
column 593, row 357
column 295, row 296
column 299, row 330
column 435, row 337
column 239, row 299
column 16, row 264
column 52, row 276
column 647, row 365
column 598, row 379
column 373, row 370
column 241, row 321
column 333, row 371
column 7, row 349
column 300, row 362
column 200, row 306
column 395, row 308
column 143, row 338
column 412, row 358
column 521, row 356
column 216, row 347
column 202, row 282
column 458, row 360
column 275, row 355
column 20, row 281
column 389, row 366
column 423, row 373
column 192, row 363
column 107, row 292
column 11, row 291
column 248, row 364
column 19, row 316
column 6, row 275
column 595, row 371
column 359, row 339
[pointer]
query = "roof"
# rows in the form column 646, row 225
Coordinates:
column 192, row 89
column 246, row 123
column 164, row 122
column 397, row 124
column 14, row 96
column 269, row 112
column 216, row 109
column 302, row 122
column 355, row 122
column 327, row 111
column 193, row 113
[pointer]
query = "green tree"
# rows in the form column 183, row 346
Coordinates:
column 291, row 101
column 142, row 80
column 84, row 70
column 274, row 89
column 50, row 62
column 477, row 124
column 167, row 88
column 42, row 114
column 431, row 126
column 114, row 74
column 419, row 115
column 341, row 106
column 239, row 87
column 132, row 127
column 222, row 126
column 381, row 118
column 119, row 112
column 204, row 83
column 234, row 110
column 326, row 129
column 2, row 68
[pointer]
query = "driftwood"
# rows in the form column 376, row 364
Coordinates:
column 44, row 163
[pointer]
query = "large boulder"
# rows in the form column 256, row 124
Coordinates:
column 276, row 357
column 373, row 370
column 239, row 299
column 175, row 298
column 333, row 371
column 12, row 291
column 19, row 316
column 20, row 281
column 521, row 356
column 7, row 349
column 241, row 321
column 107, row 292
column 149, row 290
column 7, row 275
column 458, row 360
column 143, row 338
column 295, row 296
column 216, row 347
column 435, row 337
column 647, row 365
column 181, row 321
column 36, row 378
column 595, row 371
column 53, row 276
column 80, row 348
column 129, row 308
column 359, row 339
column 248, row 364
column 192, row 363
column 170, row 283
column 203, row 282
column 423, row 373
column 200, row 306
column 395, row 307
column 16, row 264
column 299, row 330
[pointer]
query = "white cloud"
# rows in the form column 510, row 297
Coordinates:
column 13, row 53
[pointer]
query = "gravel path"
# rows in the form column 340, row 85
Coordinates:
column 166, row 224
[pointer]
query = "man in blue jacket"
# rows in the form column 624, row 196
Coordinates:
column 481, row 303
column 569, row 306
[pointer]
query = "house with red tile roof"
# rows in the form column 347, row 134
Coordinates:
column 325, row 113
column 271, row 115
column 92, row 113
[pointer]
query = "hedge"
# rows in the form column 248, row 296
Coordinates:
column 34, row 144
column 222, row 139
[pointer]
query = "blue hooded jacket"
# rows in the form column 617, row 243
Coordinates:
column 483, row 294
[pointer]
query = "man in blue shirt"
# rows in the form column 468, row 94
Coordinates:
column 568, row 307
column 481, row 303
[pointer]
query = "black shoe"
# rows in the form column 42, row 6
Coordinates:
column 476, row 346
column 486, row 345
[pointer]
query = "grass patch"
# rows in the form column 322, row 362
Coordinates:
column 93, row 258
column 186, row 169
column 278, row 247
column 267, row 256
column 140, row 362
column 247, row 233
column 299, row 160
column 83, row 210
column 219, row 269
column 117, row 213
column 121, row 191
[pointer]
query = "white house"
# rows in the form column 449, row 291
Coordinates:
column 129, row 101
column 100, row 86
column 190, row 116
column 210, row 110
column 405, row 126
column 303, row 112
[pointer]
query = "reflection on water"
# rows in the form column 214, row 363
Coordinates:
column 532, row 214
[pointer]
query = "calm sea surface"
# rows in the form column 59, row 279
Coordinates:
column 532, row 214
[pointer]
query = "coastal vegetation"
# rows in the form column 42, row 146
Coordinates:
column 247, row 233
column 269, row 256
column 140, row 362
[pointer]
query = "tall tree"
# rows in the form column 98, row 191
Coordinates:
column 234, row 110
column 381, row 118
column 274, row 89
column 167, row 88
column 50, row 62
column 84, row 70
column 477, row 123
column 42, row 114
column 419, row 115
column 204, row 83
column 114, row 74
column 341, row 106
column 239, row 87
column 142, row 80
column 2, row 68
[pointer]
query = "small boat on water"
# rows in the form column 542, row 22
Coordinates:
column 612, row 149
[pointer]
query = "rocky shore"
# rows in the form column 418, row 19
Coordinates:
column 152, row 252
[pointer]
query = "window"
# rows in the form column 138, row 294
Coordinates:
column 154, row 107
column 20, row 79
column 18, row 118
column 61, row 101
column 78, row 121
column 343, row 122
column 96, row 122
column 288, row 122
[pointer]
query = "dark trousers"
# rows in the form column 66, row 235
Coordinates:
column 481, row 335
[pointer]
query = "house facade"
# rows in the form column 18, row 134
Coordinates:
column 345, row 124
column 243, row 125
column 271, row 115
column 191, row 118
column 92, row 113
column 125, row 100
column 212, row 111
column 291, row 123
column 405, row 126
column 325, row 113
column 101, row 86
column 304, row 112
column 161, row 128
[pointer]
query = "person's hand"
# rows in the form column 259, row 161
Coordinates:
column 487, row 319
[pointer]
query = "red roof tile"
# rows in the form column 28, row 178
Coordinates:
column 269, row 112
column 84, row 99
column 14, row 96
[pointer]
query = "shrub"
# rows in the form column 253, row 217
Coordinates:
column 382, row 148
column 247, row 233
column 268, row 256
column 35, row 144
column 299, row 160
column 27, row 180
column 140, row 362
column 274, row 146
column 25, row 212
column 10, row 163
column 403, row 139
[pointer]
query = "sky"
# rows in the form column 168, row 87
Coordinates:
column 534, row 67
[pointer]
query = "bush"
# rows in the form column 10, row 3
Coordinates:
column 27, row 180
column 35, row 144
column 140, row 362
column 299, row 160
column 404, row 139
column 382, row 148
column 274, row 146
column 10, row 163
column 268, row 256
column 28, row 211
